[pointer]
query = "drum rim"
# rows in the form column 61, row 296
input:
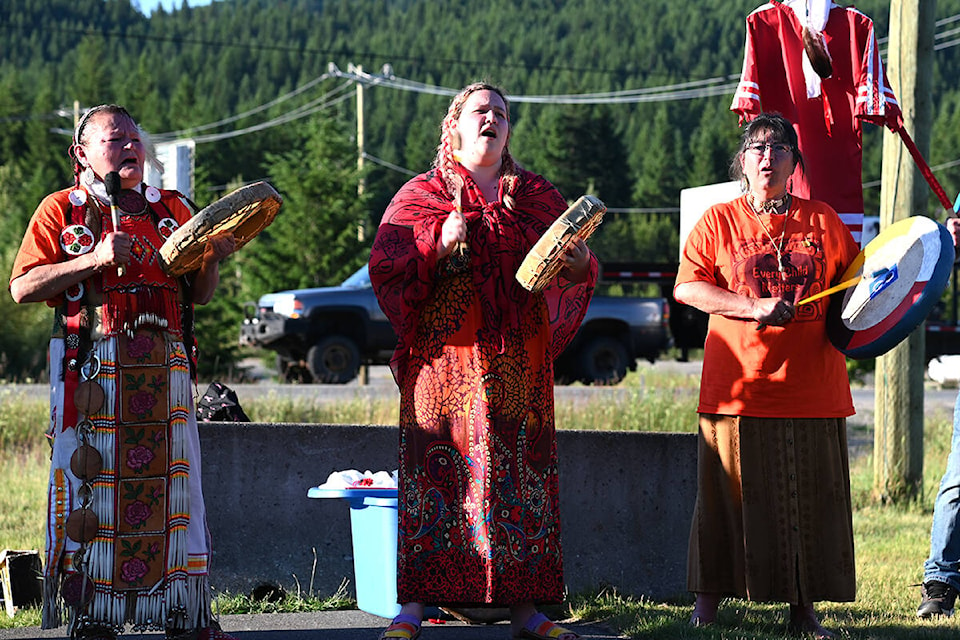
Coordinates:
column 260, row 194
column 548, row 272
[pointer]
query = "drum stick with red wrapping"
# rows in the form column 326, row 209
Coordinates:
column 112, row 182
column 925, row 170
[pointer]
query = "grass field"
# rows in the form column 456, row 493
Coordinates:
column 891, row 542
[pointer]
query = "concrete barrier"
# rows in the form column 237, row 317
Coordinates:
column 625, row 498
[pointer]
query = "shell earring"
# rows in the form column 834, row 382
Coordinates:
column 88, row 176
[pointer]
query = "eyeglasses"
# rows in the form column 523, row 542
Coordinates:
column 778, row 148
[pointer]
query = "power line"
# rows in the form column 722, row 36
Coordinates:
column 389, row 165
column 255, row 110
column 350, row 53
column 323, row 102
column 361, row 54
column 708, row 87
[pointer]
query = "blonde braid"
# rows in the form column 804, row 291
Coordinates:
column 510, row 173
column 444, row 162
column 447, row 167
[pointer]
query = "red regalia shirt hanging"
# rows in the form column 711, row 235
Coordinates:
column 780, row 74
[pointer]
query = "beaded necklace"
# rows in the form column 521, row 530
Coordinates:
column 771, row 206
column 768, row 206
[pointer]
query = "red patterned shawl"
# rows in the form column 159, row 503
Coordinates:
column 404, row 265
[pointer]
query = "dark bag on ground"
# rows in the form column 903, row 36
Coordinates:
column 219, row 404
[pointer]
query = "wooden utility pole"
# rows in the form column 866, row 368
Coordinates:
column 361, row 228
column 364, row 373
column 898, row 421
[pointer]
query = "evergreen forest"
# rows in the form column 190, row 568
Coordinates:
column 268, row 90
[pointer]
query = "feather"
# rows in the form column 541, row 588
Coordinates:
column 816, row 50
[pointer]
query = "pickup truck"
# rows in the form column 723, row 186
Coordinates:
column 688, row 326
column 326, row 334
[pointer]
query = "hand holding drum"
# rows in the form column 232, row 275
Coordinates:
column 576, row 257
column 562, row 245
column 221, row 228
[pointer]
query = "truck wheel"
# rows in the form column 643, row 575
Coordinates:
column 603, row 360
column 334, row 360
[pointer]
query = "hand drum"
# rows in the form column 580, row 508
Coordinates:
column 904, row 271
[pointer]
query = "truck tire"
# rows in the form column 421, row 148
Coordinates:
column 603, row 361
column 334, row 360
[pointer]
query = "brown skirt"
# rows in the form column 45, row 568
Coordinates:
column 773, row 518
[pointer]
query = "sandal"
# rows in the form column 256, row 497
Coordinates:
column 403, row 627
column 539, row 627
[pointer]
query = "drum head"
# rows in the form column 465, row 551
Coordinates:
column 246, row 212
column 544, row 260
column 904, row 271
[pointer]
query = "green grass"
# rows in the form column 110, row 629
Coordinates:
column 278, row 602
column 24, row 467
column 278, row 409
column 891, row 542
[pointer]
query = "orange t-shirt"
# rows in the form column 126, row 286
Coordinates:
column 789, row 371
column 41, row 242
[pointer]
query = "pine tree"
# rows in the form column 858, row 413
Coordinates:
column 314, row 239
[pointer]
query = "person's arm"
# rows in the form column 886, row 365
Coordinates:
column 45, row 281
column 712, row 299
column 208, row 275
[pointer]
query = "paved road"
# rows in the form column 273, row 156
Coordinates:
column 328, row 625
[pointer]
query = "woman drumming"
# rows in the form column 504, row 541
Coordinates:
column 479, row 521
column 126, row 536
column 772, row 520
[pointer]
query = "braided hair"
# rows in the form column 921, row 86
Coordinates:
column 445, row 161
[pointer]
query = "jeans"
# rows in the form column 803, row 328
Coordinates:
column 943, row 565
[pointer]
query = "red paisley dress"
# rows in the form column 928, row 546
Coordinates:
column 479, row 517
